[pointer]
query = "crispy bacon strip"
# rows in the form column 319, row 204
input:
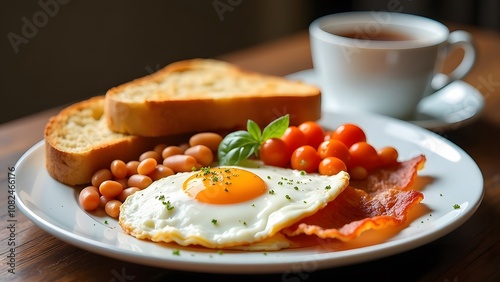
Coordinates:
column 355, row 211
column 377, row 202
column 400, row 176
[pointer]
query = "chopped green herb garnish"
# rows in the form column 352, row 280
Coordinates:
column 176, row 252
column 168, row 205
column 214, row 221
column 456, row 206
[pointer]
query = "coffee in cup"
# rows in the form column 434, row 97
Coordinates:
column 383, row 62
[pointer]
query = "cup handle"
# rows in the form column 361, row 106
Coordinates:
column 457, row 39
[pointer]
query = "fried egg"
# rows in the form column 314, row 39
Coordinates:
column 227, row 207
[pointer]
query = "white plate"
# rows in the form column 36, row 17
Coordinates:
column 450, row 177
column 453, row 106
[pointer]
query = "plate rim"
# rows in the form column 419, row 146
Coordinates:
column 214, row 266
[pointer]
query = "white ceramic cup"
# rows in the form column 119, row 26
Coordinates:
column 387, row 75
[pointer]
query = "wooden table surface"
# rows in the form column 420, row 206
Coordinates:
column 469, row 253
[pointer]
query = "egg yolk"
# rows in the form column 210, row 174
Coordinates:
column 223, row 185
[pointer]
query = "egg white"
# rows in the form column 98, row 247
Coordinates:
column 163, row 212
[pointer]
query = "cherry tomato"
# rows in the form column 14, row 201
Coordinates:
column 274, row 151
column 314, row 133
column 293, row 138
column 328, row 135
column 364, row 155
column 388, row 156
column 334, row 148
column 331, row 166
column 358, row 173
column 349, row 134
column 305, row 158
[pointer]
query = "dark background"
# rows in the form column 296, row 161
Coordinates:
column 55, row 52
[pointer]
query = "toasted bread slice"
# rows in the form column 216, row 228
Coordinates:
column 78, row 143
column 206, row 94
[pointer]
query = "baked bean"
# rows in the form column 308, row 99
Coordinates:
column 160, row 172
column 127, row 192
column 140, row 181
column 201, row 153
column 100, row 176
column 123, row 182
column 103, row 200
column 180, row 163
column 132, row 167
column 150, row 154
column 172, row 150
column 147, row 166
column 209, row 139
column 112, row 208
column 89, row 198
column 118, row 169
column 110, row 188
column 159, row 148
column 184, row 146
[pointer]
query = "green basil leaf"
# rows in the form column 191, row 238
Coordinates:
column 254, row 129
column 238, row 155
column 276, row 128
column 240, row 145
column 236, row 147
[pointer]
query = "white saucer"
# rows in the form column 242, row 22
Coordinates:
column 455, row 105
